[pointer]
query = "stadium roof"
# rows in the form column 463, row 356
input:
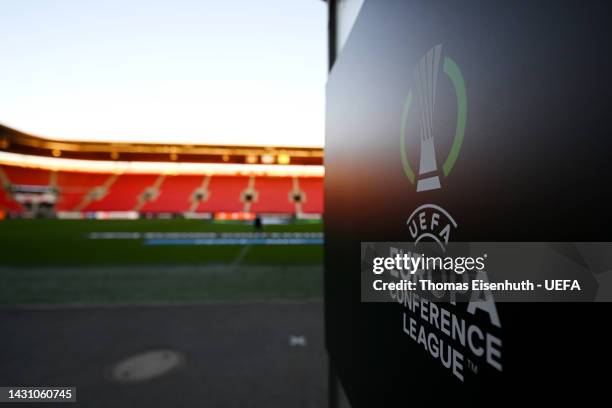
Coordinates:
column 14, row 141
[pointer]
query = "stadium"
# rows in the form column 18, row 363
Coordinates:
column 197, row 197
column 88, row 226
column 204, row 180
column 83, row 229
column 154, row 252
column 164, row 197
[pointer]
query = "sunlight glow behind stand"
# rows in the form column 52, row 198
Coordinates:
column 99, row 166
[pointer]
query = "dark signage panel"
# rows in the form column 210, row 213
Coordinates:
column 468, row 121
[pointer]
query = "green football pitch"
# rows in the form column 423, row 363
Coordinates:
column 57, row 261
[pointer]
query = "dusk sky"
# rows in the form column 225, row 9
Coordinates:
column 186, row 71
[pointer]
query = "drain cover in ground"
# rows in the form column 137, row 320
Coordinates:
column 144, row 366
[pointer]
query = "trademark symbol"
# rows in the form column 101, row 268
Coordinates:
column 472, row 366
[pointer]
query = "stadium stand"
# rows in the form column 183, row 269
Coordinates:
column 176, row 194
column 7, row 203
column 273, row 195
column 224, row 194
column 122, row 194
column 157, row 193
column 27, row 176
column 313, row 194
column 71, row 179
column 73, row 188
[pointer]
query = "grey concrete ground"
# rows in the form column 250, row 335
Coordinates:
column 158, row 283
column 235, row 354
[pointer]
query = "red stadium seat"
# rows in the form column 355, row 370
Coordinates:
column 273, row 195
column 313, row 188
column 27, row 176
column 175, row 194
column 7, row 203
column 123, row 194
column 74, row 187
column 21, row 176
column 224, row 194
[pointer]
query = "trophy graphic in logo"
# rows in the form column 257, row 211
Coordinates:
column 426, row 76
column 425, row 83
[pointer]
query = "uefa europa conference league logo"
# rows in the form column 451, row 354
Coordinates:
column 425, row 83
column 431, row 221
column 449, row 332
